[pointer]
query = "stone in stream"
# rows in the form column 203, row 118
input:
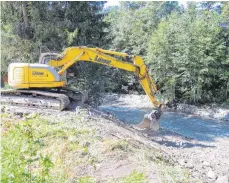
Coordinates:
column 226, row 118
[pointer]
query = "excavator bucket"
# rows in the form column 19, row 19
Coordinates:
column 148, row 124
column 150, row 121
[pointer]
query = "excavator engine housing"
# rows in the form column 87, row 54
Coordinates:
column 25, row 75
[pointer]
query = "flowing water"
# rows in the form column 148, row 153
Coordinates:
column 186, row 125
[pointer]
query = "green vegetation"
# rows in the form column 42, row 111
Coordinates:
column 22, row 160
column 174, row 174
column 186, row 48
column 134, row 177
column 190, row 56
column 31, row 28
column 38, row 149
column 35, row 149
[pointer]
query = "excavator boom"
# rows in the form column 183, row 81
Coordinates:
column 105, row 57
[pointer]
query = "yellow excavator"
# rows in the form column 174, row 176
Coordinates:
column 43, row 85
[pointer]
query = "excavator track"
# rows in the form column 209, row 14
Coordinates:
column 35, row 99
column 73, row 94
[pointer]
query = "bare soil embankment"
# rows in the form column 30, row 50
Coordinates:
column 87, row 144
column 113, row 151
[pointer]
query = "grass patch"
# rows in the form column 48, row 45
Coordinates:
column 134, row 177
column 173, row 174
column 113, row 145
column 36, row 150
column 86, row 179
column 21, row 159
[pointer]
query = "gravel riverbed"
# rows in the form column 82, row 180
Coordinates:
column 200, row 143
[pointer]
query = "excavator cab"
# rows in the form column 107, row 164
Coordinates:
column 46, row 57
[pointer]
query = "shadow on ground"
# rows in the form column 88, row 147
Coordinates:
column 169, row 143
column 180, row 141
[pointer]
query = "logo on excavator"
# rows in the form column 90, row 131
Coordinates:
column 36, row 73
column 102, row 60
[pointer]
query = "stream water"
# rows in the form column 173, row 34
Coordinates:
column 186, row 125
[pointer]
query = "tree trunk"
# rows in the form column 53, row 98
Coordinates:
column 25, row 14
column 26, row 20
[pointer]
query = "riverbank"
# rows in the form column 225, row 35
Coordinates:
column 87, row 144
column 82, row 145
column 196, row 141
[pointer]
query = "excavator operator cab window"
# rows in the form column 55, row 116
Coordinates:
column 45, row 57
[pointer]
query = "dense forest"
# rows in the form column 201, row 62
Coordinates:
column 185, row 48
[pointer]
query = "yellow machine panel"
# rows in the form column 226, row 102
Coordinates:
column 19, row 74
column 33, row 76
column 40, row 75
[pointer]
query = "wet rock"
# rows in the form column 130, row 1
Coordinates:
column 222, row 179
column 226, row 118
column 211, row 175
